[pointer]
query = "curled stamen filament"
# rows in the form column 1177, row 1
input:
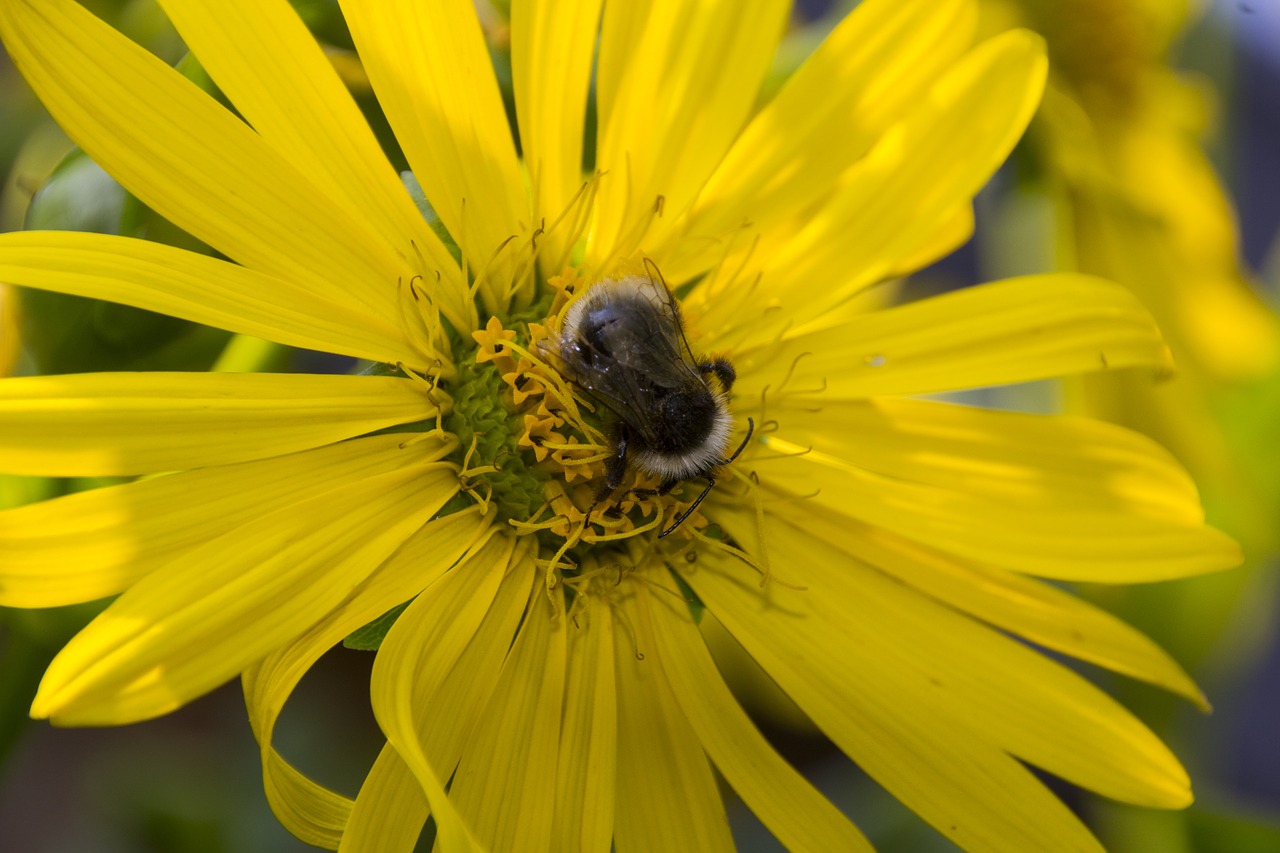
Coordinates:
column 612, row 537
column 559, row 389
column 526, row 527
column 600, row 453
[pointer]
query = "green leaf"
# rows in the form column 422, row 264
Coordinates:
column 428, row 212
column 369, row 638
column 696, row 607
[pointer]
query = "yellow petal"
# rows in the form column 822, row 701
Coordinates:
column 552, row 47
column 952, row 233
column 418, row 563
column 915, row 179
column 794, row 811
column 389, row 812
column 420, row 651
column 584, row 794
column 1048, row 462
column 874, row 67
column 501, row 783
column 927, row 655
column 264, row 60
column 666, row 796
column 191, row 160
column 10, row 328
column 1039, row 612
column 179, row 633
column 1074, row 542
column 910, row 741
column 137, row 423
column 466, row 686
column 1018, row 330
column 304, row 808
column 431, row 71
column 201, row 289
column 89, row 545
column 310, row 811
column 675, row 84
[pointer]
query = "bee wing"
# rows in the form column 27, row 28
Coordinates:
column 647, row 359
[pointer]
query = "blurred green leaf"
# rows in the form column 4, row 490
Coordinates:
column 1232, row 832
column 67, row 334
column 78, row 196
column 1249, row 416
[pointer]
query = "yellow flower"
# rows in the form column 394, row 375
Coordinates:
column 876, row 554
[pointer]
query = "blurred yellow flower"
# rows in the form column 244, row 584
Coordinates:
column 546, row 686
column 1118, row 139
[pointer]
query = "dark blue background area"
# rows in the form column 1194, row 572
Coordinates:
column 1253, row 117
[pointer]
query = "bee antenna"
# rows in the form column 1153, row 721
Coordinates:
column 751, row 428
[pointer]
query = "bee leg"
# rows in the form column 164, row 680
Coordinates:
column 721, row 369
column 711, row 481
column 615, row 469
column 664, row 488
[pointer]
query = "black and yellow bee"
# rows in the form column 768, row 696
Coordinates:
column 623, row 343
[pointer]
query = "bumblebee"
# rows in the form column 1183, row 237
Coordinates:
column 623, row 343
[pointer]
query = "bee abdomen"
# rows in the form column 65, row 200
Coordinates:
column 685, row 420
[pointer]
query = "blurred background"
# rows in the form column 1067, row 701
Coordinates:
column 1154, row 161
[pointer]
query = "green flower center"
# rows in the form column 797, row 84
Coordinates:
column 494, row 466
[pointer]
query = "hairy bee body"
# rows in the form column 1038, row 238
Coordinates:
column 623, row 342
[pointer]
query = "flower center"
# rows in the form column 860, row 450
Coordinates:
column 494, row 467
column 535, row 446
